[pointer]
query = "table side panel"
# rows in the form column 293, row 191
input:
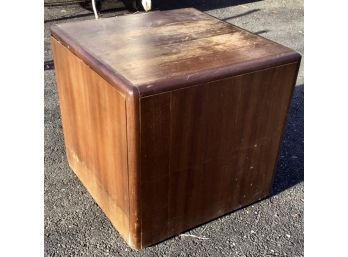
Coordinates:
column 94, row 122
column 209, row 149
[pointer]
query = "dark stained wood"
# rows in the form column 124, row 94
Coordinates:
column 210, row 149
column 163, row 50
column 171, row 118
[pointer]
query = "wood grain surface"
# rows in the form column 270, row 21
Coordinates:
column 210, row 149
column 162, row 50
column 94, row 123
column 171, row 118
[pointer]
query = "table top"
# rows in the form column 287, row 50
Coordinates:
column 162, row 49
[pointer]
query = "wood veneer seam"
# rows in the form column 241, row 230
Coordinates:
column 284, row 123
column 128, row 190
column 139, row 164
column 170, row 160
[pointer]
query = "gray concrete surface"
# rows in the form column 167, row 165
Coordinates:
column 75, row 225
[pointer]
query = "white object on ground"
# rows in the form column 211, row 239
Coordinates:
column 199, row 237
column 94, row 10
column 146, row 4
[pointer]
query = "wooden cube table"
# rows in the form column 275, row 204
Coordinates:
column 171, row 118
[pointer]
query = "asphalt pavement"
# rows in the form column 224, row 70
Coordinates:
column 76, row 226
